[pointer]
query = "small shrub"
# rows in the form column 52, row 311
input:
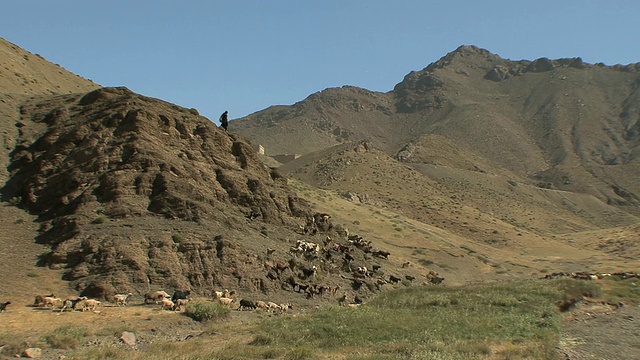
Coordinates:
column 100, row 220
column 572, row 288
column 66, row 337
column 261, row 340
column 276, row 174
column 272, row 354
column 299, row 353
column 425, row 262
column 176, row 238
column 205, row 311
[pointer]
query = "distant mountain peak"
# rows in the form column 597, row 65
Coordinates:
column 466, row 54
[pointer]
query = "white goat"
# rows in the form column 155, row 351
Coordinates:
column 87, row 304
column 167, row 304
column 121, row 299
column 50, row 301
column 180, row 304
column 226, row 301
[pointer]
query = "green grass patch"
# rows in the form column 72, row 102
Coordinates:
column 626, row 291
column 501, row 320
column 206, row 310
column 99, row 220
column 66, row 337
column 417, row 322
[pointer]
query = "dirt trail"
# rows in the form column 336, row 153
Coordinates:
column 599, row 331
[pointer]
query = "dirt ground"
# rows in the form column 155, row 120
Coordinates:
column 600, row 331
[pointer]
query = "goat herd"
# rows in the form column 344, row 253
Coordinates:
column 175, row 302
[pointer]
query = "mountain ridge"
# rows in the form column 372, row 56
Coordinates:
column 558, row 123
column 455, row 173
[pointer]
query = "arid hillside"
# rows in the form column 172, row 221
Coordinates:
column 113, row 192
column 547, row 146
column 472, row 170
column 122, row 192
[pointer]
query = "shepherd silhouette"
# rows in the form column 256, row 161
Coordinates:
column 224, row 120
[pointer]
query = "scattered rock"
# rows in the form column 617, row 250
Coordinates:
column 32, row 353
column 128, row 338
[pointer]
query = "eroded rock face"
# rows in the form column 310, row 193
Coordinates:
column 86, row 164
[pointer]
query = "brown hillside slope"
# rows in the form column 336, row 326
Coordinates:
column 130, row 193
column 454, row 213
column 22, row 75
column 555, row 124
column 104, row 170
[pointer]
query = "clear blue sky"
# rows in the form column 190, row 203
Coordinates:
column 243, row 56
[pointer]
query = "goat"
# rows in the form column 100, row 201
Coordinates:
column 180, row 294
column 247, row 304
column 273, row 306
column 226, row 301
column 309, row 272
column 71, row 303
column 51, row 301
column 167, row 304
column 220, row 294
column 180, row 304
column 382, row 253
column 262, row 305
column 39, row 300
column 3, row 306
column 155, row 296
column 342, row 299
column 361, row 271
column 121, row 299
column 87, row 304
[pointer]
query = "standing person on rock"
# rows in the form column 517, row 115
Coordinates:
column 224, row 120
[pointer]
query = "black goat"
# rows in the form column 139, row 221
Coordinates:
column 180, row 294
column 3, row 306
column 247, row 304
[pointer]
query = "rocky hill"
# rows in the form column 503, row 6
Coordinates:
column 131, row 193
column 469, row 169
column 562, row 125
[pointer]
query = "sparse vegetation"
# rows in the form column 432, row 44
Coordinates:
column 177, row 238
column 624, row 291
column 438, row 210
column 205, row 311
column 66, row 337
column 100, row 220
column 460, row 322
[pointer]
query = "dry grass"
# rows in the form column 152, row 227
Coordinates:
column 515, row 320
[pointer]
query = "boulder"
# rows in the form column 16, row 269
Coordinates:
column 128, row 338
column 32, row 353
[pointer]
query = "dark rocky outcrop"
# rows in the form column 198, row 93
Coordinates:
column 84, row 162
